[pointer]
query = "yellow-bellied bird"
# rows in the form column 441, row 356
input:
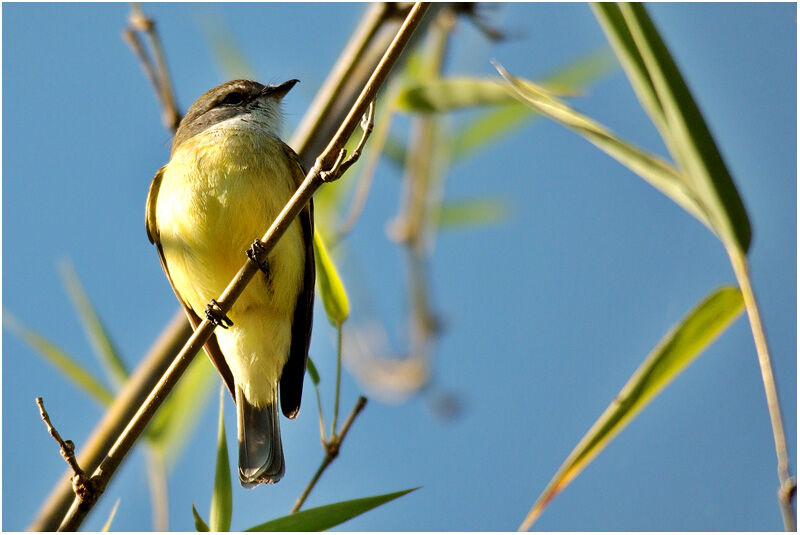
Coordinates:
column 228, row 177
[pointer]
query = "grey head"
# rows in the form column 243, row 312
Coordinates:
column 231, row 99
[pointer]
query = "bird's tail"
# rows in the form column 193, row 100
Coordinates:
column 260, row 449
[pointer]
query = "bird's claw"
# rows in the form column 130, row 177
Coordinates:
column 254, row 252
column 215, row 315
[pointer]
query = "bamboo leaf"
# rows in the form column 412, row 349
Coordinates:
column 653, row 169
column 227, row 53
column 460, row 214
column 62, row 362
column 327, row 516
column 448, row 94
column 331, row 289
column 312, row 371
column 222, row 498
column 98, row 335
column 679, row 347
column 666, row 97
column 107, row 525
column 199, row 523
column 492, row 124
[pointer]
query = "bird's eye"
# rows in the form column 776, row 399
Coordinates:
column 233, row 98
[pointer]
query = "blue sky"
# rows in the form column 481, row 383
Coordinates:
column 547, row 313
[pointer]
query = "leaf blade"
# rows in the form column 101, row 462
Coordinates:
column 67, row 365
column 99, row 337
column 107, row 525
column 472, row 212
column 199, row 523
column 219, row 517
column 331, row 288
column 328, row 516
column 674, row 352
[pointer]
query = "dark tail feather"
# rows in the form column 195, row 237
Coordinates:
column 260, row 450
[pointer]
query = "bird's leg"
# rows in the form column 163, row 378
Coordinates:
column 216, row 316
column 256, row 250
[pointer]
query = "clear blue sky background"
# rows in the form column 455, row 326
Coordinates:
column 547, row 313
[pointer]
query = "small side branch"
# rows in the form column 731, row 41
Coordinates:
column 80, row 483
column 332, row 447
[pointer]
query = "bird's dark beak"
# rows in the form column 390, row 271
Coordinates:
column 278, row 91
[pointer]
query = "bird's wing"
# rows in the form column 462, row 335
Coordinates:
column 212, row 347
column 295, row 368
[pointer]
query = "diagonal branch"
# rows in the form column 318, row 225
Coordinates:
column 310, row 184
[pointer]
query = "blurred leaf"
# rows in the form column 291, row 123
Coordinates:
column 448, row 94
column 681, row 345
column 98, row 335
column 396, row 150
column 221, row 40
column 331, row 289
column 222, row 497
column 199, row 523
column 171, row 425
column 665, row 96
column 327, row 516
column 63, row 362
column 501, row 120
column 312, row 371
column 655, row 170
column 111, row 516
column 459, row 214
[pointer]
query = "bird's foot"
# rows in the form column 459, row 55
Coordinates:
column 253, row 253
column 216, row 316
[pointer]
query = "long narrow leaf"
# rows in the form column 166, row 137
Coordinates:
column 460, row 214
column 107, row 525
column 199, row 523
column 684, row 129
column 63, row 362
column 219, row 517
column 655, row 170
column 327, row 516
column 331, row 289
column 98, row 335
column 681, row 345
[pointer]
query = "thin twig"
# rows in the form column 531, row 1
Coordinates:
column 331, row 451
column 310, row 184
column 158, row 74
column 338, row 381
column 788, row 484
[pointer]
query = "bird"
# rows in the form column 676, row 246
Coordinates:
column 228, row 177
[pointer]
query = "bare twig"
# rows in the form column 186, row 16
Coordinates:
column 81, row 485
column 788, row 485
column 312, row 181
column 158, row 74
column 332, row 447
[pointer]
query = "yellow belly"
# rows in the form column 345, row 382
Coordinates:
column 220, row 191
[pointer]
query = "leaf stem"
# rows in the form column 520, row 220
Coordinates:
column 788, row 484
column 338, row 380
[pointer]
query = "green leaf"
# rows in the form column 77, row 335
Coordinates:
column 63, row 362
column 111, row 516
column 666, row 97
column 653, row 169
column 460, row 214
column 679, row 347
column 327, row 516
column 331, row 289
column 179, row 413
column 312, row 371
column 448, row 94
column 396, row 150
column 199, row 523
column 96, row 332
column 491, row 125
column 222, row 497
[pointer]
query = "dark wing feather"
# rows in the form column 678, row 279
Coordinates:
column 212, row 347
column 295, row 368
